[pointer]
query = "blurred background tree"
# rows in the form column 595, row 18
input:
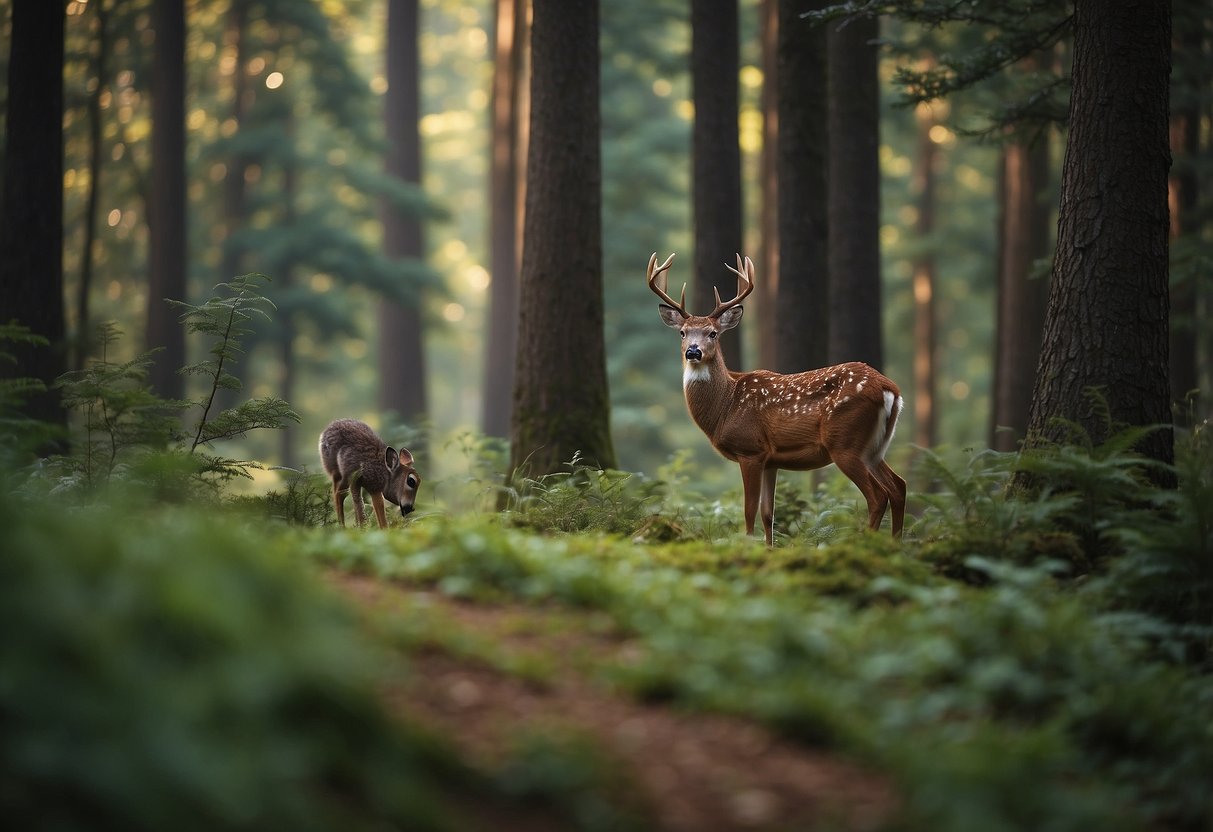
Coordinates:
column 284, row 108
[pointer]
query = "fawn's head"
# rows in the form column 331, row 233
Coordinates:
column 403, row 480
column 700, row 333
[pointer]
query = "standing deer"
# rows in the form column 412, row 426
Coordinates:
column 764, row 421
column 355, row 458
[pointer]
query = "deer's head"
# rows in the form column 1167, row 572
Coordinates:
column 403, row 480
column 700, row 333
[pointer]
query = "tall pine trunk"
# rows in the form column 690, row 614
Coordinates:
column 167, row 242
column 715, row 159
column 402, row 373
column 767, row 290
column 854, row 192
column 923, row 281
column 501, row 344
column 1106, row 326
column 803, row 315
column 561, row 401
column 31, row 216
column 101, row 73
column 1023, row 239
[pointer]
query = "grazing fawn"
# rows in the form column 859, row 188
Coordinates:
column 355, row 458
column 765, row 421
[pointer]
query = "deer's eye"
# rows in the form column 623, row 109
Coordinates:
column 683, row 333
column 712, row 336
column 411, row 481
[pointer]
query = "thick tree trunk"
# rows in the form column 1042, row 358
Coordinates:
column 31, row 217
column 716, row 160
column 402, row 374
column 1106, row 326
column 854, row 193
column 167, row 243
column 561, row 402
column 803, row 315
column 501, row 345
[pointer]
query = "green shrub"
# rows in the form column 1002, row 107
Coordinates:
column 163, row 673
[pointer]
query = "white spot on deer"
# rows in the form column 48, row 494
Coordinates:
column 859, row 387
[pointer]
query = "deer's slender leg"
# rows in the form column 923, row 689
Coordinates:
column 895, row 487
column 766, row 504
column 359, row 511
column 377, row 503
column 859, row 473
column 751, row 483
column 339, row 491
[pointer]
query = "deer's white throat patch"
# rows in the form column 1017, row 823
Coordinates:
column 693, row 372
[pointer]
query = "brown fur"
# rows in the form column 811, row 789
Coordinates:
column 355, row 458
column 765, row 421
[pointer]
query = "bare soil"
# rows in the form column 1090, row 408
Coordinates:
column 689, row 771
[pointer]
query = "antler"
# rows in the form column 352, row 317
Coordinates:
column 745, row 285
column 657, row 281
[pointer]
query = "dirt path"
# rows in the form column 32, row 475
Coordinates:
column 695, row 771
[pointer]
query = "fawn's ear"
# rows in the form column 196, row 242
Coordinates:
column 406, row 458
column 390, row 459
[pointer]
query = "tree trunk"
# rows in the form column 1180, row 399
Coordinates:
column 233, row 182
column 83, row 337
column 1184, row 197
column 1023, row 239
column 402, row 375
column 561, row 402
column 923, row 280
column 767, row 290
column 803, row 316
column 501, row 345
column 716, row 160
column 31, row 217
column 854, row 193
column 1106, row 326
column 167, row 245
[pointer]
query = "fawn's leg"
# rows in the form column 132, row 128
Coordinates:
column 359, row 511
column 377, row 503
column 340, row 489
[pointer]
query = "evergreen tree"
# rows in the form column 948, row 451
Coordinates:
column 402, row 374
column 167, row 247
column 803, row 314
column 1106, row 325
column 31, row 224
column 561, row 404
column 854, row 193
column 715, row 160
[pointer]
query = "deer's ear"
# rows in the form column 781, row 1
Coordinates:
column 406, row 458
column 729, row 318
column 390, row 459
column 670, row 316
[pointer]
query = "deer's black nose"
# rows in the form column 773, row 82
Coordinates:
column 694, row 353
column 406, row 510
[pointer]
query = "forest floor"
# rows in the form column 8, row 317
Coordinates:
column 680, row 770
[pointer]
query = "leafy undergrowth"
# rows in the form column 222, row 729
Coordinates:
column 1028, row 663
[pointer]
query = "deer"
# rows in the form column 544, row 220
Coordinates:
column 766, row 421
column 355, row 458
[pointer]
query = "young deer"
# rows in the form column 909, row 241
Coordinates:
column 765, row 421
column 355, row 458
